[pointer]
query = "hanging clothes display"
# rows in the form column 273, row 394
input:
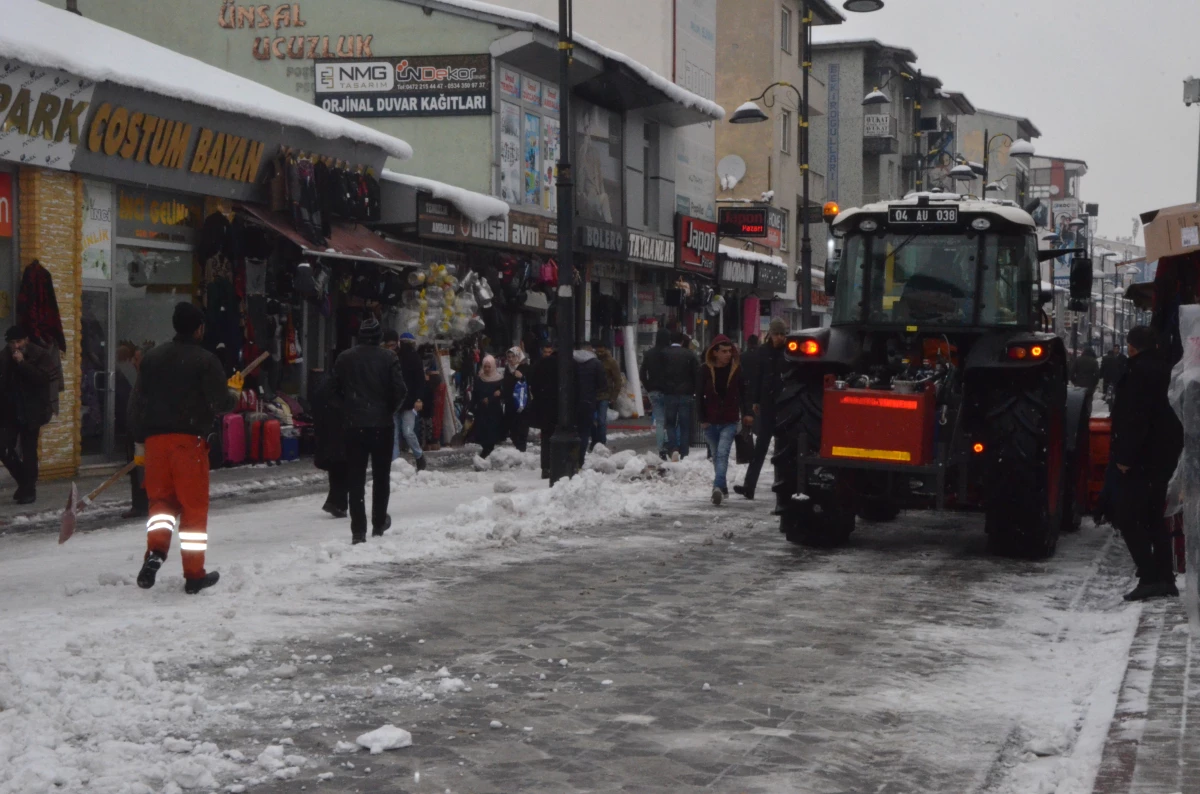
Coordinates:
column 37, row 307
column 304, row 199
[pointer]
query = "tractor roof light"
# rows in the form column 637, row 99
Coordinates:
column 868, row 226
column 830, row 211
column 981, row 224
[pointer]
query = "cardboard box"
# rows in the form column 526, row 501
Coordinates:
column 1171, row 231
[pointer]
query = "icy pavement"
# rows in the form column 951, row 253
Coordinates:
column 612, row 633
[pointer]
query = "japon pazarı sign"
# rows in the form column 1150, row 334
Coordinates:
column 697, row 245
column 413, row 85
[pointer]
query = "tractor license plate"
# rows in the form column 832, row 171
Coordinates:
column 938, row 215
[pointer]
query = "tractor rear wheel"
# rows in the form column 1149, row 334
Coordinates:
column 1027, row 471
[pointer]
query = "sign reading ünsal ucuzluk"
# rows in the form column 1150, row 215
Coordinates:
column 412, row 85
column 41, row 114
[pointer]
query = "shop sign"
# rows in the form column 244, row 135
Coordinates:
column 519, row 231
column 607, row 269
column 771, row 278
column 601, row 238
column 96, row 230
column 510, row 83
column 6, row 205
column 41, row 114
column 531, row 91
column 298, row 46
column 406, row 86
column 758, row 223
column 152, row 215
column 652, row 250
column 550, row 98
column 735, row 271
column 697, row 245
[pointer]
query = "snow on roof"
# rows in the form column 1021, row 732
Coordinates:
column 749, row 256
column 476, row 206
column 655, row 80
column 1005, row 210
column 42, row 35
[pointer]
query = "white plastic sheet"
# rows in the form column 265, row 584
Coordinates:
column 1184, row 491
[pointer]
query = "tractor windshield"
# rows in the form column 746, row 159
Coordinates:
column 933, row 279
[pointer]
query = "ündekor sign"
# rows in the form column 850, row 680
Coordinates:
column 413, row 85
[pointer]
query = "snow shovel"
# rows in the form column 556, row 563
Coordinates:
column 75, row 504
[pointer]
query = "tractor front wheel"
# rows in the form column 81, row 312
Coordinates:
column 823, row 521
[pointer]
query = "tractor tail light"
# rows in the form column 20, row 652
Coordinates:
column 1017, row 353
column 810, row 347
column 1022, row 352
column 1037, row 351
column 977, row 448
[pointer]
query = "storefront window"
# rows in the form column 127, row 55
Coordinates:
column 529, row 140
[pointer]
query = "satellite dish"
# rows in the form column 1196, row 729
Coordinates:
column 1054, row 190
column 730, row 171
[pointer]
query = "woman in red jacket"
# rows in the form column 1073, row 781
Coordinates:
column 720, row 399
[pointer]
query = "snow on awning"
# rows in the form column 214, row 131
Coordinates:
column 743, row 255
column 346, row 241
column 49, row 37
column 476, row 206
column 661, row 90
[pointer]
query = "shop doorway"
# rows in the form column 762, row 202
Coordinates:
column 98, row 383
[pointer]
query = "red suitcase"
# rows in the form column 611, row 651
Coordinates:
column 265, row 442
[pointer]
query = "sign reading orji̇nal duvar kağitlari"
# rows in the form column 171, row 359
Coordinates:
column 411, row 85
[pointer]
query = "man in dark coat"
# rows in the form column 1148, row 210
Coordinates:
column 1112, row 367
column 180, row 390
column 330, row 440
column 679, row 370
column 370, row 384
column 543, row 388
column 590, row 383
column 652, row 372
column 762, row 394
column 27, row 371
column 1086, row 373
column 1147, row 439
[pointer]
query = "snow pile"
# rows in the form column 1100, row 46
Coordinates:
column 42, row 35
column 476, row 206
column 387, row 737
column 674, row 92
column 742, row 255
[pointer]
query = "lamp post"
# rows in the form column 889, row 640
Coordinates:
column 564, row 445
column 1191, row 96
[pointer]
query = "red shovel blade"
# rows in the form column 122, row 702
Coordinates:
column 68, row 517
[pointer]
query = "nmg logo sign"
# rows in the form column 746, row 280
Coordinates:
column 367, row 76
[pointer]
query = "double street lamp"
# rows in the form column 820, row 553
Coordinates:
column 1019, row 149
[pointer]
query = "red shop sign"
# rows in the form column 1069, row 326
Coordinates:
column 6, row 205
column 697, row 245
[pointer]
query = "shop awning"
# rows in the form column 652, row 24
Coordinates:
column 346, row 241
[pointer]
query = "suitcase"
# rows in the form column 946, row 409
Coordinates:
column 232, row 446
column 265, row 441
column 289, row 448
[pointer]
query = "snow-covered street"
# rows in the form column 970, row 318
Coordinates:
column 613, row 631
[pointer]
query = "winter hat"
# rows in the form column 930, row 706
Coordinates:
column 369, row 332
column 390, row 335
column 15, row 333
column 778, row 326
column 187, row 318
column 407, row 337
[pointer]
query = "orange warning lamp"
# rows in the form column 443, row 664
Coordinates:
column 830, row 211
column 978, row 448
column 1037, row 351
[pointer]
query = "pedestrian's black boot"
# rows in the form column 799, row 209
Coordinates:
column 717, row 496
column 193, row 586
column 150, row 567
column 334, row 510
column 741, row 491
column 1169, row 588
column 421, row 463
column 1151, row 589
column 358, row 537
column 384, row 527
column 25, row 496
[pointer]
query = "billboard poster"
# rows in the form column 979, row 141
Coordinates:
column 1062, row 212
column 550, row 131
column 510, row 153
column 41, row 114
column 406, row 86
column 96, row 232
column 510, row 83
column 532, row 154
column 695, row 145
column 531, row 91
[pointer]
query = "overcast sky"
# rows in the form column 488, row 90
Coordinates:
column 1101, row 79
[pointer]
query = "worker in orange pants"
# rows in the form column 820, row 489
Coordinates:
column 180, row 389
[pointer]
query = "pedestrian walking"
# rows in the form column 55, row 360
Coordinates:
column 652, row 373
column 181, row 387
column 1086, row 372
column 413, row 370
column 680, row 367
column 487, row 404
column 329, row 436
column 1112, row 367
column 762, row 393
column 614, row 382
column 721, row 404
column 516, row 397
column 590, row 382
column 1147, row 438
column 543, row 388
column 28, row 372
column 370, row 385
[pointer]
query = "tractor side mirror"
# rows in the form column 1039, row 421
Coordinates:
column 1045, row 296
column 831, row 271
column 1081, row 279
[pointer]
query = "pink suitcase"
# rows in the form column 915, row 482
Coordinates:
column 233, row 439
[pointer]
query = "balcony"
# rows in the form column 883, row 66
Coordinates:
column 880, row 134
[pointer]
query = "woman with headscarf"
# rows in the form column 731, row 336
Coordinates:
column 516, row 407
column 487, row 403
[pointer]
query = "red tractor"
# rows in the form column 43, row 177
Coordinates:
column 935, row 387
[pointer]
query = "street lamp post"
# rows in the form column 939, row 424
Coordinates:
column 564, row 445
